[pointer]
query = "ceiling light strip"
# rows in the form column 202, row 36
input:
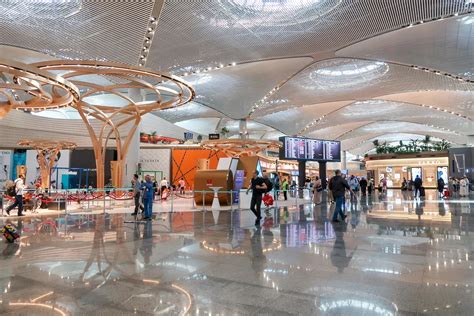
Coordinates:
column 147, row 40
column 312, row 125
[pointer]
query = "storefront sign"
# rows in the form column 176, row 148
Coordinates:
column 188, row 136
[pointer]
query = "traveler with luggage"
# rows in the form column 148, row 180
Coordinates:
column 258, row 187
column 19, row 191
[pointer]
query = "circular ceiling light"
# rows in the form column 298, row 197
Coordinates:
column 269, row 13
column 371, row 108
column 344, row 72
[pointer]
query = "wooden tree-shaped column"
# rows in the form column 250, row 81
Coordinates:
column 118, row 96
column 25, row 87
column 47, row 154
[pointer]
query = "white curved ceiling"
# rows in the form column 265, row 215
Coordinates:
column 320, row 68
column 446, row 45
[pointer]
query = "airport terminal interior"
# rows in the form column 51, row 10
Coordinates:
column 236, row 157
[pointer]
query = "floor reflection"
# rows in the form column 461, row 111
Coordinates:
column 393, row 255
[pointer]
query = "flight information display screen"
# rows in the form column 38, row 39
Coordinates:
column 299, row 148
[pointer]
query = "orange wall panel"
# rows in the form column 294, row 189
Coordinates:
column 183, row 163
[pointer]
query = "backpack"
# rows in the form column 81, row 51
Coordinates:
column 269, row 185
column 10, row 188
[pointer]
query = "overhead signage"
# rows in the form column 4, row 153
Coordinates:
column 214, row 136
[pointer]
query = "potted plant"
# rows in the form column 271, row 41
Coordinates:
column 224, row 132
column 154, row 137
column 144, row 137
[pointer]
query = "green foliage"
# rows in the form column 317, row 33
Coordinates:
column 414, row 146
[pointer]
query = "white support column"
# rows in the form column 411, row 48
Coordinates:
column 243, row 132
column 344, row 160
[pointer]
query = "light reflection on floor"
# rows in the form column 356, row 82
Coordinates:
column 395, row 255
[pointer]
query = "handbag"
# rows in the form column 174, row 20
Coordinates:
column 319, row 189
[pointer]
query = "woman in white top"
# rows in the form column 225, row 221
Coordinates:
column 464, row 187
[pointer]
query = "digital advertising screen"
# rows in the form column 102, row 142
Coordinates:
column 299, row 148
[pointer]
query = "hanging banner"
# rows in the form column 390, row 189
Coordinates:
column 5, row 166
column 238, row 184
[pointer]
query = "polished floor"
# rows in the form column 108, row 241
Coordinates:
column 394, row 255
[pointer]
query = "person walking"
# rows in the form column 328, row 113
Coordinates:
column 404, row 185
column 19, row 191
column 354, row 184
column 284, row 187
column 276, row 186
column 136, row 185
column 258, row 187
column 451, row 186
column 363, row 186
column 371, row 186
column 148, row 197
column 464, row 187
column 440, row 187
column 418, row 183
column 317, row 189
column 163, row 188
column 182, row 186
column 384, row 185
column 338, row 186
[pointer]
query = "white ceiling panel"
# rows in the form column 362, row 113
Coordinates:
column 100, row 29
column 292, row 120
column 202, row 33
column 381, row 110
column 446, row 45
column 461, row 102
column 234, row 90
column 343, row 79
column 188, row 111
column 202, row 126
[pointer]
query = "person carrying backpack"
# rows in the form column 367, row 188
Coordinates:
column 19, row 191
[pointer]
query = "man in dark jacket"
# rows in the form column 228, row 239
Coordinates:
column 418, row 183
column 338, row 186
column 363, row 185
column 258, row 187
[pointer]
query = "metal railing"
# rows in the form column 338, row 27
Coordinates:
column 73, row 201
